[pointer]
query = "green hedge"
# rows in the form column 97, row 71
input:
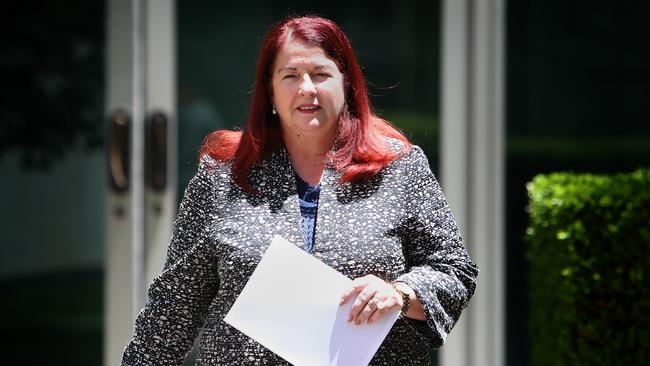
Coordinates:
column 589, row 253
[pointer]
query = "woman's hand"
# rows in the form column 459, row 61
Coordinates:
column 376, row 297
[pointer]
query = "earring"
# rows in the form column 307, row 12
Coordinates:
column 273, row 111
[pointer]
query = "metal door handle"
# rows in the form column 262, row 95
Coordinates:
column 157, row 151
column 119, row 132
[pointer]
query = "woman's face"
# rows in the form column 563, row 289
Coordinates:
column 307, row 91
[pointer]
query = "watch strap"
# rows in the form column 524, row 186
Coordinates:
column 406, row 299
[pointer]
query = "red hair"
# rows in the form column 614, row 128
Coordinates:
column 361, row 147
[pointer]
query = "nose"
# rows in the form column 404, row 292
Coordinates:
column 307, row 87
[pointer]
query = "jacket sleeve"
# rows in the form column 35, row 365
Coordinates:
column 178, row 298
column 439, row 269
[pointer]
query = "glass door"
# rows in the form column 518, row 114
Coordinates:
column 52, row 183
column 88, row 167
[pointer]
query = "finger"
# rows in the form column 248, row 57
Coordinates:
column 366, row 312
column 347, row 295
column 380, row 304
column 376, row 315
column 360, row 303
column 389, row 304
column 358, row 284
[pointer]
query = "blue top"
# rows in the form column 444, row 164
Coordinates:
column 308, row 198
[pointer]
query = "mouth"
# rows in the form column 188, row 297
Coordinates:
column 309, row 108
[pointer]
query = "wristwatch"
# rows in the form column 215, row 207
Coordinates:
column 406, row 299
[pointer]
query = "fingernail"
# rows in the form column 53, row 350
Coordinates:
column 349, row 319
column 369, row 321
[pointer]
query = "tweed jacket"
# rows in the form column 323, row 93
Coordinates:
column 397, row 226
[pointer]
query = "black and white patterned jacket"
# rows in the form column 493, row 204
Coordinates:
column 397, row 226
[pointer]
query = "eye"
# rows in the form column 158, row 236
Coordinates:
column 322, row 76
column 288, row 76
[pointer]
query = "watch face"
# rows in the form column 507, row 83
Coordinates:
column 406, row 300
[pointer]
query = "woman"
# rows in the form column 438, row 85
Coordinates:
column 315, row 166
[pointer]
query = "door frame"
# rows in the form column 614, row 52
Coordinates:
column 141, row 81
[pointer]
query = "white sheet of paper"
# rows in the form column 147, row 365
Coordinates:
column 290, row 305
